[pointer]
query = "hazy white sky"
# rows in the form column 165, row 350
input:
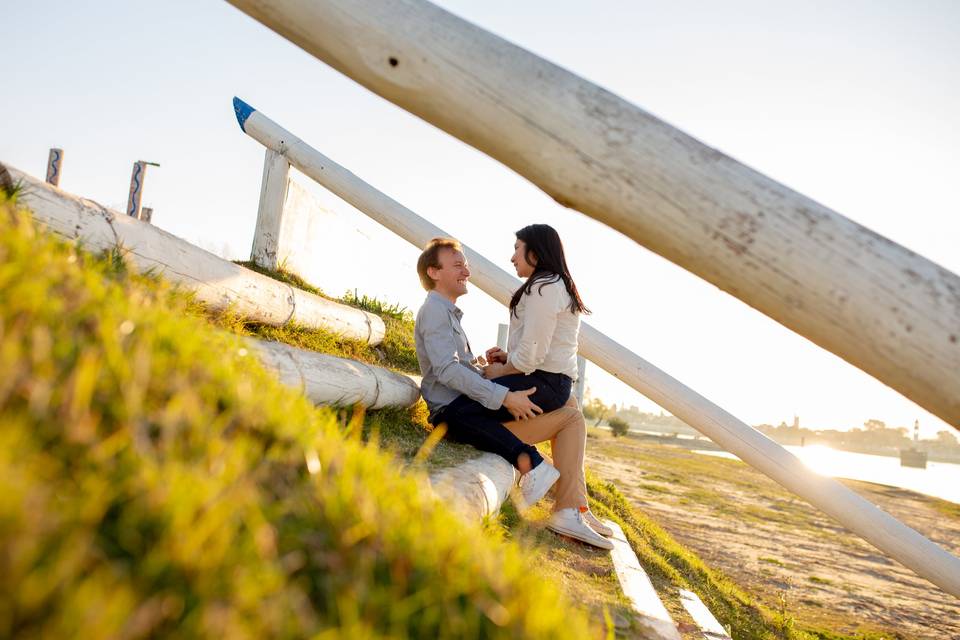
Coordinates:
column 854, row 104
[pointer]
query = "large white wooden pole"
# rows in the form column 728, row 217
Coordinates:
column 877, row 527
column 218, row 283
column 874, row 303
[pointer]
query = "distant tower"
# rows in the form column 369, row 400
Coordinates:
column 916, row 431
column 796, row 423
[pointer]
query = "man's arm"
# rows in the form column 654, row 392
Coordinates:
column 441, row 346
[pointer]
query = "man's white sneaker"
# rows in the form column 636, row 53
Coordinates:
column 569, row 522
column 595, row 523
column 535, row 484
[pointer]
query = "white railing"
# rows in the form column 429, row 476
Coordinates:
column 874, row 525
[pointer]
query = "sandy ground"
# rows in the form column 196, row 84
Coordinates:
column 782, row 550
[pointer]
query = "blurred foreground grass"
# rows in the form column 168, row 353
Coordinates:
column 157, row 481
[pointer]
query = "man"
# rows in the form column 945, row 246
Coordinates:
column 456, row 393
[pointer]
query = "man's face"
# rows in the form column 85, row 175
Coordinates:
column 451, row 277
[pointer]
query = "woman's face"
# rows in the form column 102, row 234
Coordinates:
column 519, row 259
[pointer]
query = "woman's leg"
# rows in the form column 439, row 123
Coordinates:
column 567, row 431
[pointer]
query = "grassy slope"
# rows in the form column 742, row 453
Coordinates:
column 156, row 479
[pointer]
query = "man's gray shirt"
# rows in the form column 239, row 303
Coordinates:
column 445, row 359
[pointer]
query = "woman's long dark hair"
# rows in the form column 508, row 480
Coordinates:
column 543, row 246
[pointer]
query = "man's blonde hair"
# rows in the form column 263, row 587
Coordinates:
column 431, row 258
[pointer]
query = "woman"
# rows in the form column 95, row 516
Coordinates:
column 542, row 353
column 544, row 320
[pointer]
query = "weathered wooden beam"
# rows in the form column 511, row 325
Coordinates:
column 879, row 306
column 329, row 380
column 273, row 194
column 218, row 283
column 860, row 516
column 476, row 488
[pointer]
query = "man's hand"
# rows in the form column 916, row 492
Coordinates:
column 496, row 354
column 519, row 405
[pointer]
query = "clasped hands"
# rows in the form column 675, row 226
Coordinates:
column 496, row 364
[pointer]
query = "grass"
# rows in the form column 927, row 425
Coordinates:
column 156, row 481
column 396, row 351
column 586, row 574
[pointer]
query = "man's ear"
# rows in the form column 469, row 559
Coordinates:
column 432, row 273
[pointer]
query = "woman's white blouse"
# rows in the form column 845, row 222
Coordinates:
column 544, row 332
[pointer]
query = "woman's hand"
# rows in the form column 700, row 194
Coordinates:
column 498, row 370
column 494, row 370
column 496, row 354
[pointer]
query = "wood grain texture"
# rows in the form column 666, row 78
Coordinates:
column 273, row 194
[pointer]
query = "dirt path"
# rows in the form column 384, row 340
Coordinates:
column 782, row 550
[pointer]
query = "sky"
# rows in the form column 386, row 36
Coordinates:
column 854, row 104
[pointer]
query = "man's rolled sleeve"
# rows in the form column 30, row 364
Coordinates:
column 440, row 343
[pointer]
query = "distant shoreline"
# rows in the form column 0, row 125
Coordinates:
column 691, row 441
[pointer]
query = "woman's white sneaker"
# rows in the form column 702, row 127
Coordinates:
column 595, row 523
column 534, row 484
column 569, row 522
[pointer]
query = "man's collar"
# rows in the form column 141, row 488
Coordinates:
column 433, row 295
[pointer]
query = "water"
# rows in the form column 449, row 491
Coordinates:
column 939, row 479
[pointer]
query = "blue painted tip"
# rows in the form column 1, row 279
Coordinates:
column 243, row 111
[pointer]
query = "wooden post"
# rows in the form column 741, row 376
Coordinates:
column 54, row 165
column 146, row 215
column 503, row 335
column 860, row 516
column 218, row 283
column 580, row 386
column 876, row 304
column 136, row 187
column 273, row 193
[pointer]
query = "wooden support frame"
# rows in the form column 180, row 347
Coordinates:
column 877, row 527
column 876, row 304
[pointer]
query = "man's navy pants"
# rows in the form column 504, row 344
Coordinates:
column 469, row 422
